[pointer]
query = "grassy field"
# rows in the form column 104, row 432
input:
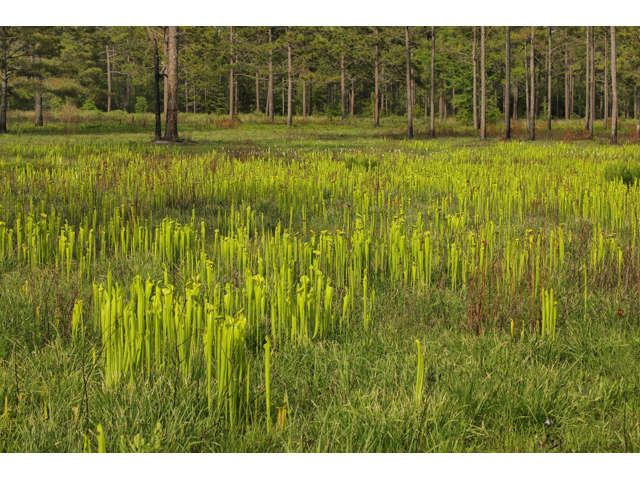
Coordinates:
column 444, row 295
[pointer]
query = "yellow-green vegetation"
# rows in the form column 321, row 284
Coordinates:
column 427, row 295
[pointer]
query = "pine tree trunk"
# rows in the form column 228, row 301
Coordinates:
column 614, row 89
column 526, row 89
column 156, row 84
column 270, row 104
column 587, row 108
column 186, row 96
column 549, row 85
column 475, row 78
column 532, row 133
column 310, row 98
column 3, row 90
column 171, row 129
column 432, row 119
column 342, row 89
column 483, row 86
column 567, row 85
column 231, row 76
column 290, row 92
column 605, row 112
column 257, row 93
column 165, row 78
column 507, row 85
column 592, row 102
column 39, row 121
column 376, row 91
column 572, row 87
column 352, row 97
column 409, row 106
column 108, row 80
column 304, row 99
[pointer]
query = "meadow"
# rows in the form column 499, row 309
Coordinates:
column 330, row 287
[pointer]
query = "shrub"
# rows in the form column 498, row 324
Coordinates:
column 626, row 171
column 89, row 105
column 141, row 105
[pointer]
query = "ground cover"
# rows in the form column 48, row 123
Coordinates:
column 259, row 288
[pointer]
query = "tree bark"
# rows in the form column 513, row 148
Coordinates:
column 270, row 104
column 432, row 119
column 475, row 78
column 310, row 98
column 257, row 93
column 352, row 97
column 304, row 99
column 532, row 133
column 526, row 89
column 290, row 93
column 171, row 128
column 592, row 102
column 342, row 88
column 567, row 84
column 507, row 85
column 614, row 89
column 483, row 85
column 108, row 80
column 3, row 89
column 376, row 91
column 605, row 113
column 231, row 76
column 409, row 106
column 39, row 120
column 549, row 84
column 587, row 109
column 156, row 84
column 165, row 94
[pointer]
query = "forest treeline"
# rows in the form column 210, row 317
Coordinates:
column 437, row 72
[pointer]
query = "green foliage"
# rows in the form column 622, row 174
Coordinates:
column 139, row 445
column 89, row 105
column 628, row 171
column 142, row 106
